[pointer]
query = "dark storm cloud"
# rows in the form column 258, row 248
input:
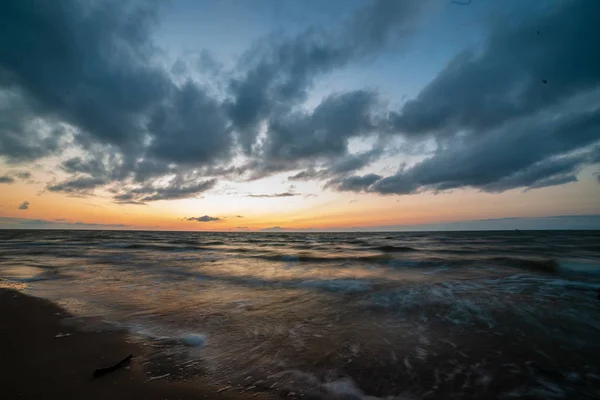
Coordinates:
column 204, row 218
column 23, row 175
column 524, row 154
column 80, row 185
column 23, row 135
column 179, row 187
column 521, row 114
column 91, row 83
column 92, row 166
column 261, row 168
column 323, row 132
column 281, row 72
column 284, row 194
column 93, row 71
column 354, row 183
column 354, row 162
column 108, row 164
column 127, row 198
column 190, row 128
column 549, row 172
column 522, row 69
column 6, row 179
column 280, row 78
column 518, row 113
column 306, row 175
column 91, row 68
column 24, row 144
column 24, row 205
column 339, row 167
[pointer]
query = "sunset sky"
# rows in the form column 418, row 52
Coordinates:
column 282, row 114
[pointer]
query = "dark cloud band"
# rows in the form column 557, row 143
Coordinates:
column 520, row 113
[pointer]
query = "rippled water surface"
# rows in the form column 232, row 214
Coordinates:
column 340, row 315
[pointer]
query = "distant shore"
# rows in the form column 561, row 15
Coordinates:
column 42, row 358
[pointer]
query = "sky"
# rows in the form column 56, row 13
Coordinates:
column 276, row 115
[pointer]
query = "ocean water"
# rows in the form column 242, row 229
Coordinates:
column 339, row 315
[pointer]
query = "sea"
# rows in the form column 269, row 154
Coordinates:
column 387, row 315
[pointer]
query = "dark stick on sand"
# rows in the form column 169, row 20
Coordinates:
column 36, row 364
column 103, row 371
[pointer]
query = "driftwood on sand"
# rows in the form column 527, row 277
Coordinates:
column 103, row 371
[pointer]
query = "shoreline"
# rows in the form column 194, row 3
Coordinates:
column 44, row 358
column 377, row 317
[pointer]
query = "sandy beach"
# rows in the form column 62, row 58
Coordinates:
column 42, row 358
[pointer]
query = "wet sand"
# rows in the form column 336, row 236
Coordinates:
column 43, row 358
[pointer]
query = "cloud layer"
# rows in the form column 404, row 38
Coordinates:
column 523, row 111
column 204, row 218
column 283, row 194
column 13, row 176
column 6, row 179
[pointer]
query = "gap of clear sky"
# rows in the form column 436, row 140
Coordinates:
column 300, row 115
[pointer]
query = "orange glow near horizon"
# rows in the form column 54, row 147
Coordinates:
column 327, row 210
